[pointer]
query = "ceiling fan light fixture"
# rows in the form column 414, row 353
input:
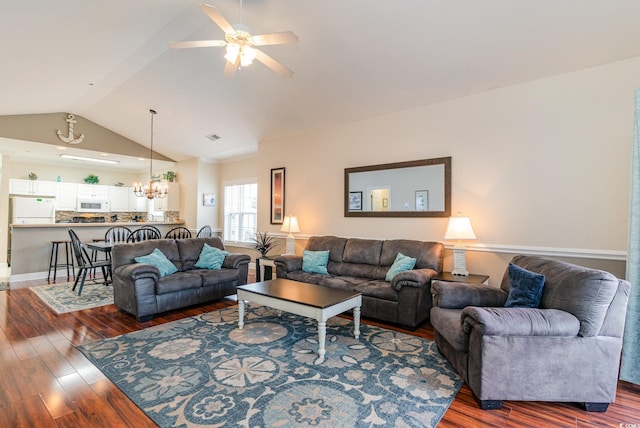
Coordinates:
column 232, row 52
column 247, row 55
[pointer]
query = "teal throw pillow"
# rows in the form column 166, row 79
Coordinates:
column 159, row 260
column 211, row 258
column 525, row 288
column 315, row 261
column 400, row 264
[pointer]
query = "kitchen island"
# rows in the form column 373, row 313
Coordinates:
column 31, row 243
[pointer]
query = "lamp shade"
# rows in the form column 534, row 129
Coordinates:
column 290, row 224
column 459, row 228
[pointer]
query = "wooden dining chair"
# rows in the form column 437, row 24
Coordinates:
column 205, row 232
column 145, row 233
column 179, row 232
column 85, row 264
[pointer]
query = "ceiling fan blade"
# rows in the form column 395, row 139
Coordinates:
column 217, row 17
column 273, row 64
column 197, row 44
column 283, row 38
column 230, row 68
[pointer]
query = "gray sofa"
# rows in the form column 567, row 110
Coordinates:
column 139, row 290
column 361, row 265
column 567, row 349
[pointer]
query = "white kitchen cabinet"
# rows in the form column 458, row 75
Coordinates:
column 93, row 191
column 66, row 196
column 119, row 198
column 136, row 204
column 32, row 187
column 172, row 201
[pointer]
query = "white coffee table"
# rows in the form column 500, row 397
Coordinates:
column 307, row 300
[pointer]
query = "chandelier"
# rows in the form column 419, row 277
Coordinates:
column 150, row 192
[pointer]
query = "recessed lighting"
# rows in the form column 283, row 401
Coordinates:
column 104, row 154
column 61, row 148
column 82, row 158
column 141, row 159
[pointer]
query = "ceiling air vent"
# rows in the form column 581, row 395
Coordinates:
column 213, row 137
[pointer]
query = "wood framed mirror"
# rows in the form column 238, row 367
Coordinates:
column 420, row 188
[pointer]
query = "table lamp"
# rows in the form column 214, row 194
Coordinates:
column 459, row 228
column 290, row 225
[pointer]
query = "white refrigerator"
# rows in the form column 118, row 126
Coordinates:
column 32, row 210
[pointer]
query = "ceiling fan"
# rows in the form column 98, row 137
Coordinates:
column 241, row 44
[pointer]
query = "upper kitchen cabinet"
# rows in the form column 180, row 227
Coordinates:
column 119, row 198
column 136, row 204
column 32, row 187
column 66, row 196
column 96, row 191
column 171, row 202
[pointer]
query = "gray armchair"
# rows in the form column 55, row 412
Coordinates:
column 567, row 349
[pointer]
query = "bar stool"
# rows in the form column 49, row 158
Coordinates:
column 53, row 259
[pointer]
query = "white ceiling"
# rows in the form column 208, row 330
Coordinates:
column 108, row 60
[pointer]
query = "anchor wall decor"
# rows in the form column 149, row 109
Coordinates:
column 71, row 139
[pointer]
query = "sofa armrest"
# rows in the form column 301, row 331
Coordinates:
column 520, row 322
column 413, row 278
column 136, row 271
column 458, row 295
column 235, row 260
column 288, row 262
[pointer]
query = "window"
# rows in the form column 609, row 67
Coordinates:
column 240, row 212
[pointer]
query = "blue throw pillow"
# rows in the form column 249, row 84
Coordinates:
column 159, row 260
column 315, row 261
column 211, row 258
column 400, row 264
column 525, row 288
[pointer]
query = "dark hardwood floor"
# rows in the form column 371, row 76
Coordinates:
column 46, row 382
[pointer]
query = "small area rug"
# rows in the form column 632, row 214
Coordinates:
column 61, row 299
column 4, row 286
column 204, row 371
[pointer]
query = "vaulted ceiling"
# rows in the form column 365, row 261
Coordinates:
column 109, row 61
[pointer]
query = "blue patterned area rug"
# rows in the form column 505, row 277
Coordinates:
column 61, row 299
column 204, row 371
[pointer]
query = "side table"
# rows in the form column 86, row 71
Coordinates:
column 469, row 279
column 265, row 269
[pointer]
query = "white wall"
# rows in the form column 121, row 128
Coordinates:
column 543, row 164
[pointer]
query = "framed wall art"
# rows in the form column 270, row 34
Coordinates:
column 355, row 201
column 277, row 195
column 209, row 200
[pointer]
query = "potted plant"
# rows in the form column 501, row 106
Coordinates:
column 91, row 179
column 33, row 176
column 263, row 243
column 170, row 176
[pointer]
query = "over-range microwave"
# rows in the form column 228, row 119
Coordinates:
column 93, row 206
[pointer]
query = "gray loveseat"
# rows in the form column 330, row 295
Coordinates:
column 567, row 349
column 139, row 290
column 361, row 265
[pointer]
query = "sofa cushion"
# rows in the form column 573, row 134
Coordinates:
column 525, row 288
column 159, row 260
column 210, row 258
column 214, row 277
column 400, row 264
column 427, row 254
column 364, row 251
column 315, row 261
column 177, row 282
column 379, row 289
column 448, row 323
column 334, row 244
column 190, row 249
column 357, row 269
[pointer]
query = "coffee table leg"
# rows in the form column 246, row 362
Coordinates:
column 240, row 313
column 356, row 321
column 322, row 334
